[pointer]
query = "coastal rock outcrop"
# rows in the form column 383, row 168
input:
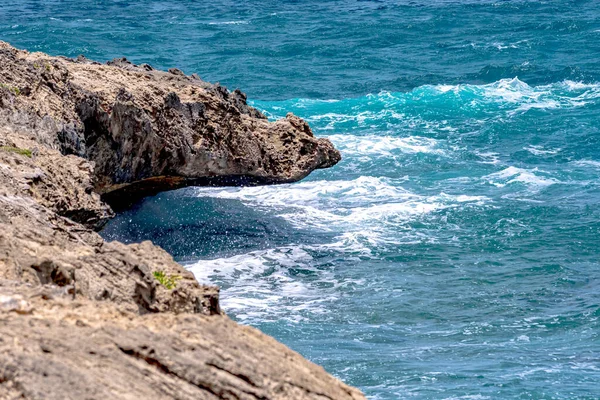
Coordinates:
column 84, row 318
column 147, row 130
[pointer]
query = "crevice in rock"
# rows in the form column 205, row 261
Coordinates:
column 307, row 390
column 239, row 376
column 49, row 272
column 166, row 370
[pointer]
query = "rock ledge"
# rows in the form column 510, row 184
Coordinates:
column 147, row 130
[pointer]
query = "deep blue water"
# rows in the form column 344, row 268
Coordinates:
column 454, row 252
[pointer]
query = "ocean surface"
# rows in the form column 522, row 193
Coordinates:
column 454, row 253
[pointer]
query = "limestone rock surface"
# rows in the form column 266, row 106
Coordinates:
column 56, row 348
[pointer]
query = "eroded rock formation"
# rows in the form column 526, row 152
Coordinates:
column 147, row 130
column 83, row 318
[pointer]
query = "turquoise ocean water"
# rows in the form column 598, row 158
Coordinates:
column 455, row 251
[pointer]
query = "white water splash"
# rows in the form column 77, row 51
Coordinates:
column 385, row 145
column 519, row 175
column 541, row 151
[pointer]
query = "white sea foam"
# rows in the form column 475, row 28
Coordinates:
column 502, row 46
column 385, row 145
column 523, row 338
column 587, row 163
column 340, row 205
column 361, row 189
column 573, row 86
column 507, row 92
column 592, row 366
column 447, row 88
column 360, row 118
column 488, row 157
column 258, row 286
column 545, row 105
column 497, row 45
column 518, row 175
column 326, row 205
column 462, row 198
column 510, row 90
column 540, row 150
column 229, row 23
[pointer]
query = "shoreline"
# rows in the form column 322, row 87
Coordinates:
column 75, row 132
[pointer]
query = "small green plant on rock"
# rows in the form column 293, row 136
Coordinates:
column 11, row 149
column 168, row 281
column 15, row 90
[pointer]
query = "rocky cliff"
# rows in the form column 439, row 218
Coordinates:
column 83, row 318
column 147, row 130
